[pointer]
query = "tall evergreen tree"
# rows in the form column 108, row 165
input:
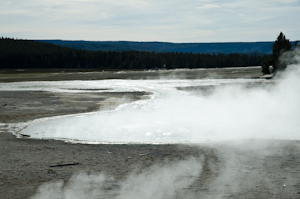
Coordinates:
column 280, row 46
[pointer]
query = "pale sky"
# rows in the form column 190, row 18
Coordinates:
column 178, row 21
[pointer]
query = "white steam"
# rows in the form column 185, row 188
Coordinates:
column 155, row 182
column 231, row 111
column 291, row 58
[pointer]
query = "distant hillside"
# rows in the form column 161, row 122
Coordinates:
column 161, row 47
column 20, row 54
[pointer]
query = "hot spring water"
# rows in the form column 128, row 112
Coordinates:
column 173, row 115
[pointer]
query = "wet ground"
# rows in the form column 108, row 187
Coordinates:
column 235, row 169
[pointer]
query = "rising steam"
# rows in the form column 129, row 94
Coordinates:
column 231, row 111
column 155, row 182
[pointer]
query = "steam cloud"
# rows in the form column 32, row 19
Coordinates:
column 232, row 111
column 155, row 182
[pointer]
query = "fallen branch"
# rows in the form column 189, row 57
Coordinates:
column 24, row 136
column 145, row 154
column 162, row 154
column 66, row 164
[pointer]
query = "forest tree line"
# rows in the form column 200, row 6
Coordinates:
column 28, row 54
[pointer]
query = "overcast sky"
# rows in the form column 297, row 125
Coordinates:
column 151, row 20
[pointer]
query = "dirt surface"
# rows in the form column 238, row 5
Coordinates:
column 55, row 75
column 234, row 169
column 251, row 169
column 20, row 106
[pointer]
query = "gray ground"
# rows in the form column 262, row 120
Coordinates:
column 20, row 106
column 54, row 75
column 233, row 169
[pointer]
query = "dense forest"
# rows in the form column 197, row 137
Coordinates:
column 21, row 54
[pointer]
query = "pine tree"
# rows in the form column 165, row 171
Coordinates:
column 280, row 46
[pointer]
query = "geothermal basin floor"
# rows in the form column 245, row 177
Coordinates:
column 251, row 168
